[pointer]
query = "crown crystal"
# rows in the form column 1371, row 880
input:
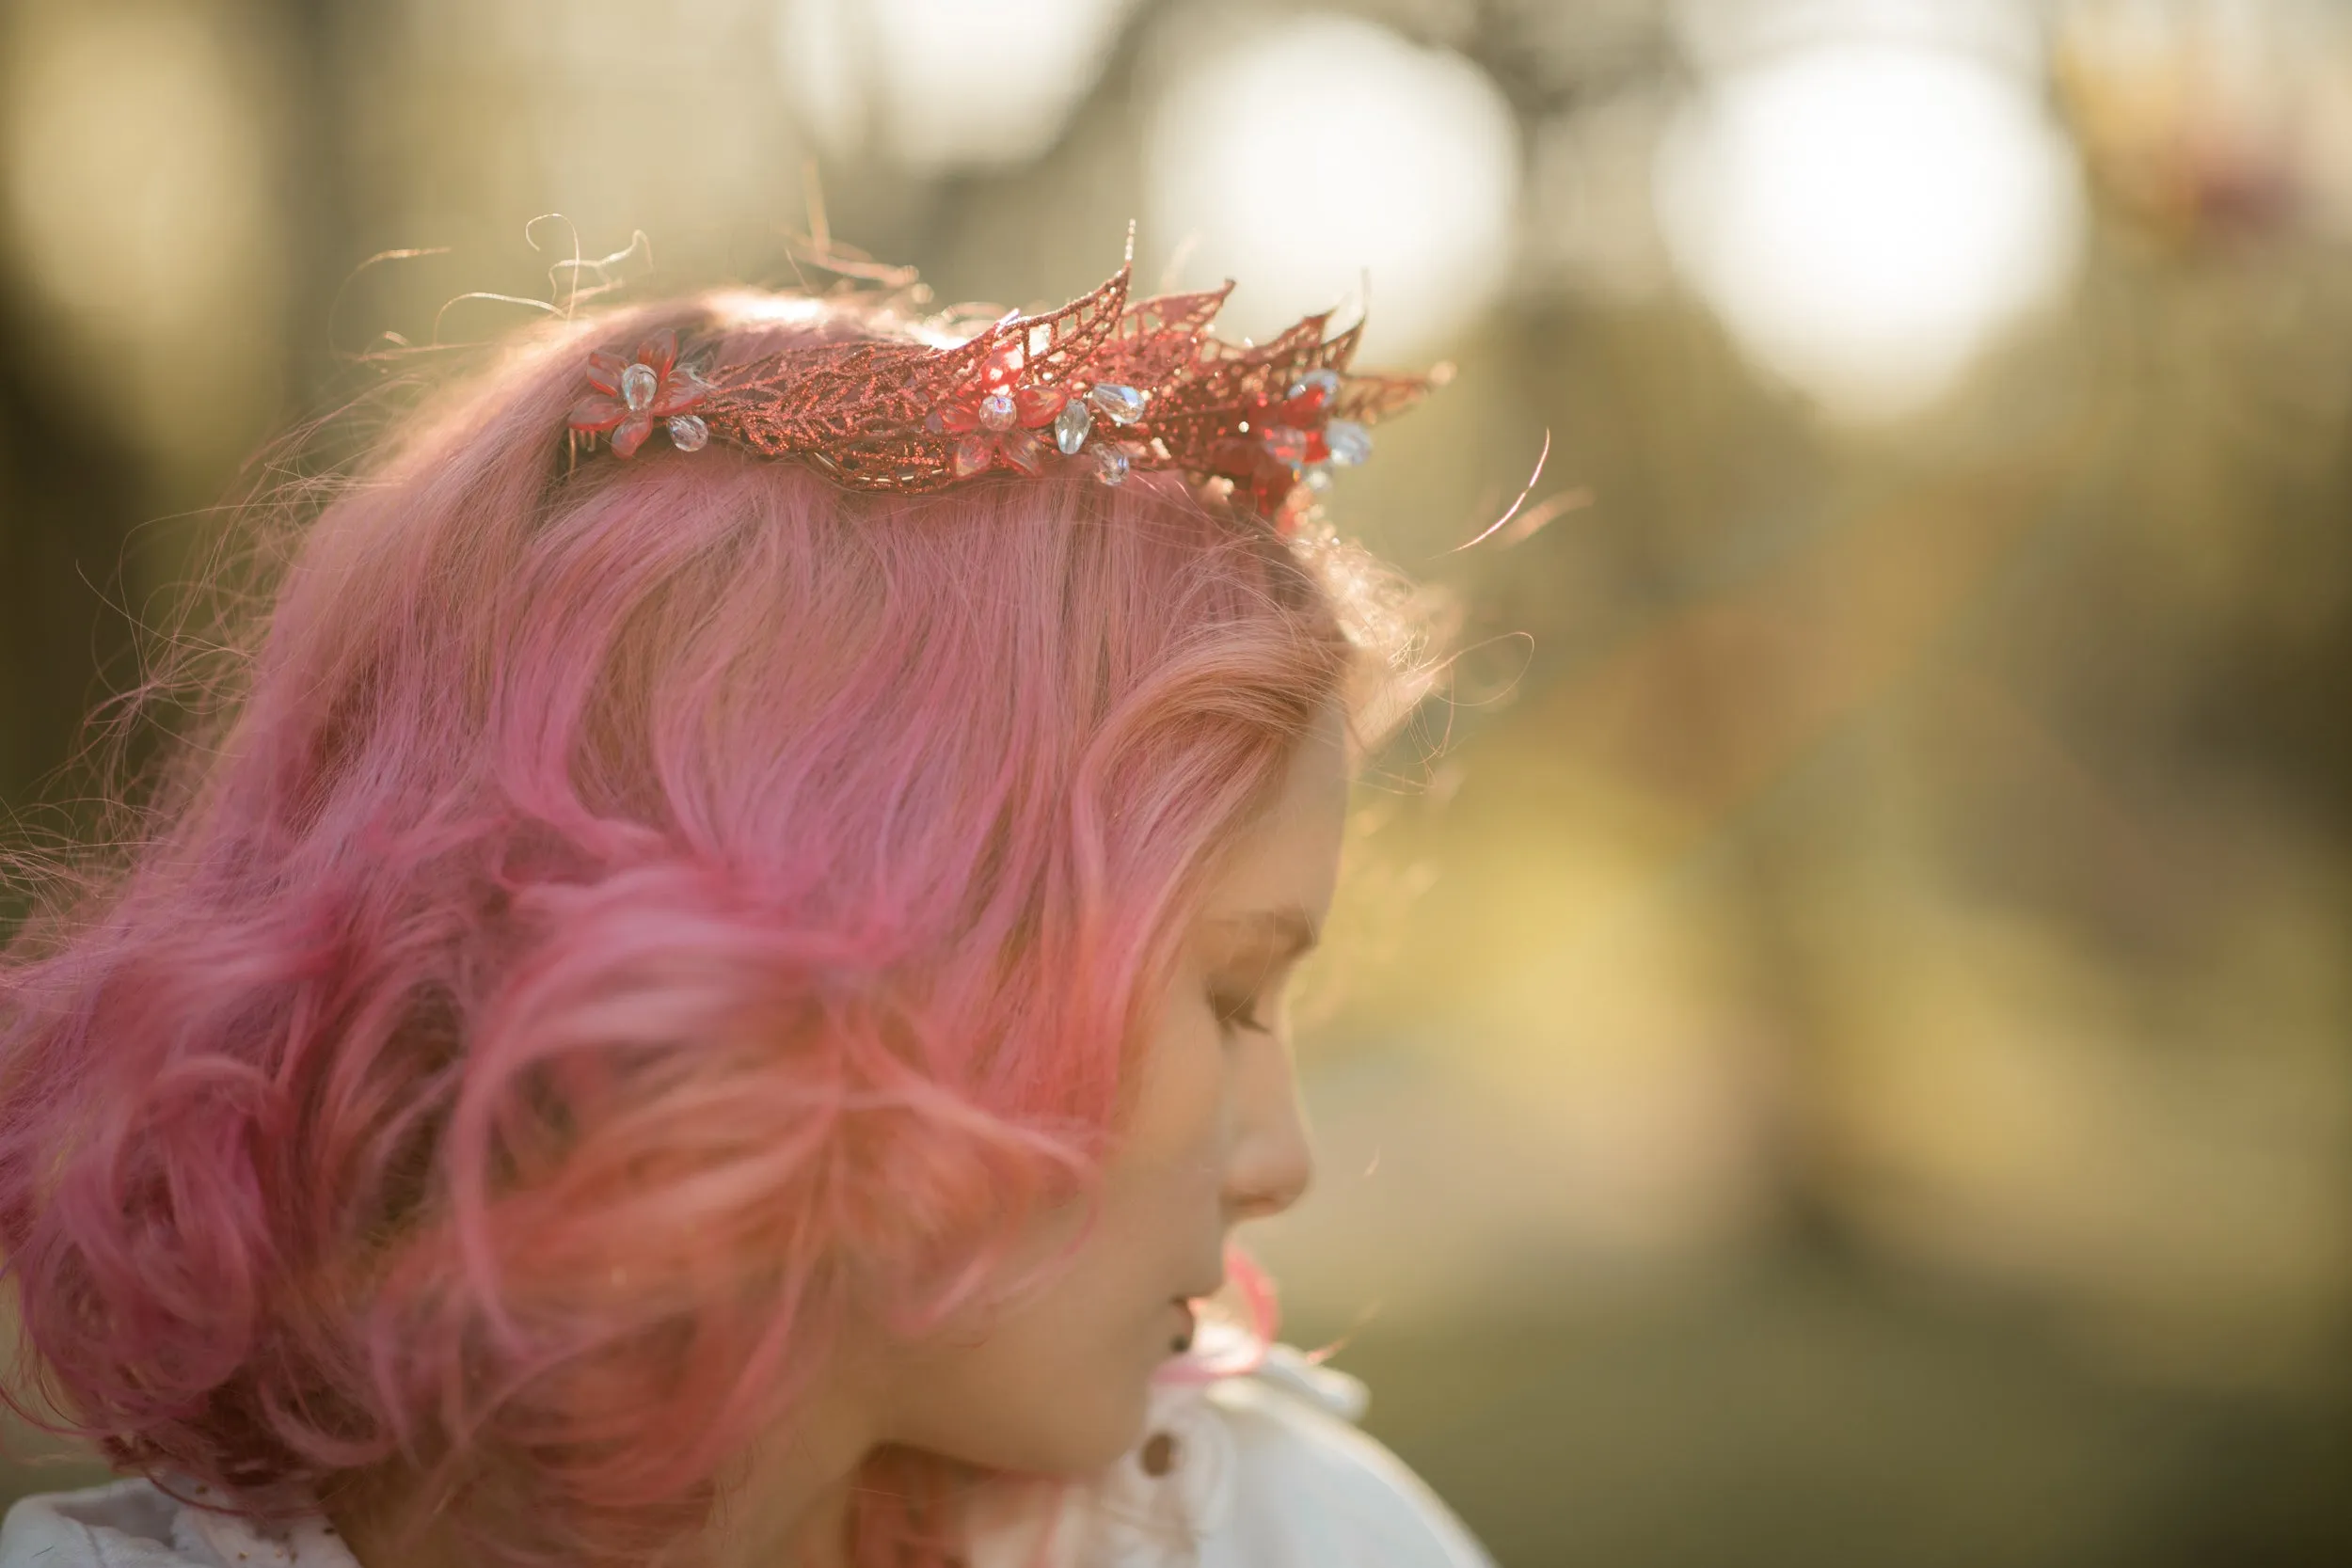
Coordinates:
column 1324, row 382
column 1288, row 445
column 1125, row 404
column 639, row 383
column 1350, row 442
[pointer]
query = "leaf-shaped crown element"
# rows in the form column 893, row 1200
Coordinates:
column 1117, row 384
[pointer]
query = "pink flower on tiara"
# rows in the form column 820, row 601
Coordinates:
column 632, row 393
column 1000, row 418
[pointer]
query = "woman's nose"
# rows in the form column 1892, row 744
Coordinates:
column 1272, row 1160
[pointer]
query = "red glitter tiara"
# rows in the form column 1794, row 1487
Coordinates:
column 1108, row 382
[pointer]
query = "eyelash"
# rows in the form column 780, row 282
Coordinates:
column 1238, row 1014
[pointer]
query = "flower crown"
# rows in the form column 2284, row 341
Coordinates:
column 1114, row 384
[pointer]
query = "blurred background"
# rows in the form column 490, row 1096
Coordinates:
column 1843, row 1054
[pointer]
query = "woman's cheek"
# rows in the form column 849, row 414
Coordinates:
column 1181, row 1097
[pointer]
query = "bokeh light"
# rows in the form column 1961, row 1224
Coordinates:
column 943, row 83
column 1868, row 214
column 1309, row 155
column 140, row 208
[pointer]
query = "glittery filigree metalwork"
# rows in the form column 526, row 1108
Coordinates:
column 1113, row 383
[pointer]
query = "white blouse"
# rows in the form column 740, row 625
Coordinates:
column 1258, row 1471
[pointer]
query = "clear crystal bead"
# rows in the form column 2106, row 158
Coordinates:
column 1318, row 476
column 639, row 383
column 1070, row 426
column 687, row 433
column 1125, row 404
column 1286, row 444
column 1350, row 442
column 998, row 411
column 1110, row 464
column 1324, row 381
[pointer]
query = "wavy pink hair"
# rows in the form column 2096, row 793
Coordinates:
column 622, row 908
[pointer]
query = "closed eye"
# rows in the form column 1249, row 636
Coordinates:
column 1248, row 958
column 1239, row 1012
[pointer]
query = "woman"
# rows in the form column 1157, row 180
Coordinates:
column 715, row 1001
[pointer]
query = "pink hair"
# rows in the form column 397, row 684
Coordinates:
column 622, row 903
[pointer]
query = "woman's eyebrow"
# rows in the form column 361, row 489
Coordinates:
column 1289, row 931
